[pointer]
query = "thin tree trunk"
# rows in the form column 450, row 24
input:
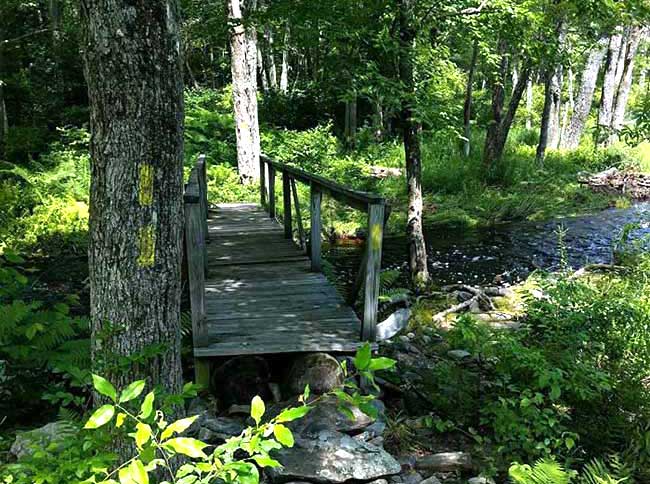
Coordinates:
column 550, row 124
column 135, row 87
column 568, row 107
column 284, row 73
column 243, row 48
column 4, row 119
column 585, row 95
column 609, row 88
column 467, row 107
column 500, row 124
column 261, row 67
column 411, row 129
column 529, row 104
column 350, row 130
column 620, row 103
column 271, row 69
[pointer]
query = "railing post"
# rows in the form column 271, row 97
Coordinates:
column 202, row 175
column 262, row 181
column 314, row 237
column 286, row 202
column 301, row 228
column 271, row 191
column 195, row 245
column 373, row 268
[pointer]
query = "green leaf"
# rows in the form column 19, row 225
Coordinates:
column 147, row 406
column 179, row 426
column 132, row 391
column 135, row 473
column 555, row 392
column 119, row 421
column 142, row 434
column 13, row 257
column 291, row 414
column 187, row 446
column 100, row 417
column 265, row 461
column 381, row 364
column 363, row 357
column 257, row 409
column 246, row 472
column 570, row 443
column 103, row 386
column 284, row 435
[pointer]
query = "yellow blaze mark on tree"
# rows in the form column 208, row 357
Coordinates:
column 146, row 246
column 145, row 192
column 375, row 235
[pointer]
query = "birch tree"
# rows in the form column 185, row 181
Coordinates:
column 243, row 49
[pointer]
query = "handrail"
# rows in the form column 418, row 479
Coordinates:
column 195, row 201
column 373, row 204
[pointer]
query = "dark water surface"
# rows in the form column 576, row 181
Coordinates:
column 511, row 251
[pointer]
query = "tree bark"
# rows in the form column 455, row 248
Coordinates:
column 411, row 129
column 467, row 107
column 499, row 126
column 350, row 129
column 550, row 126
column 585, row 95
column 284, row 73
column 271, row 69
column 605, row 113
column 133, row 69
column 529, row 104
column 623, row 93
column 243, row 48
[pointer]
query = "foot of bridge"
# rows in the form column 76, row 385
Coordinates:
column 202, row 372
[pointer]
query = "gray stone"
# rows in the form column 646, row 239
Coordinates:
column 241, row 378
column 333, row 457
column 412, row 478
column 480, row 480
column 325, row 415
column 427, row 339
column 219, row 429
column 51, row 436
column 445, row 462
column 320, row 371
column 431, row 480
column 410, row 335
column 459, row 354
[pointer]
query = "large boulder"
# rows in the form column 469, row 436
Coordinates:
column 320, row 371
column 332, row 457
column 325, row 415
column 51, row 436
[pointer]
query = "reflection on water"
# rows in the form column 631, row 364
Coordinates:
column 509, row 251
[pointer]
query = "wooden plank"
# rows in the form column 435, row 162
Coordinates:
column 196, row 270
column 286, row 206
column 255, row 261
column 314, row 236
column 262, row 182
column 373, row 268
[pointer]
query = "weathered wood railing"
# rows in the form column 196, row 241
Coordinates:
column 374, row 205
column 196, row 237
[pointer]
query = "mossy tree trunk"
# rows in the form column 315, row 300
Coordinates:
column 132, row 55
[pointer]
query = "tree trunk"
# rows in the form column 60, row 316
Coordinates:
column 620, row 103
column 4, row 119
column 350, row 130
column 529, row 104
column 609, row 88
column 568, row 107
column 467, row 107
column 585, row 95
column 261, row 67
column 271, row 69
column 411, row 129
column 135, row 87
column 284, row 73
column 499, row 126
column 243, row 48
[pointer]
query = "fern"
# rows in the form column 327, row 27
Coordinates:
column 598, row 472
column 544, row 471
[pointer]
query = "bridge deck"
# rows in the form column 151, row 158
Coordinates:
column 261, row 296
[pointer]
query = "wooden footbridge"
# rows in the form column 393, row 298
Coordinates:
column 253, row 290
